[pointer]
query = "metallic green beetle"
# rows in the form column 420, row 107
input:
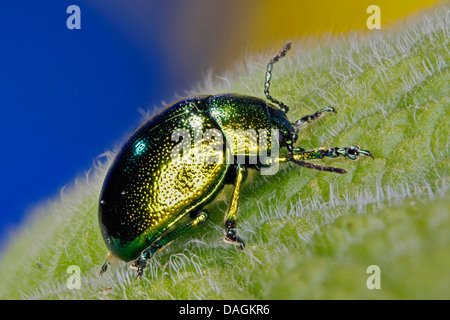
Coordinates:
column 150, row 198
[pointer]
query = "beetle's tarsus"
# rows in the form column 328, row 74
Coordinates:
column 352, row 152
column 140, row 265
column 103, row 269
column 232, row 238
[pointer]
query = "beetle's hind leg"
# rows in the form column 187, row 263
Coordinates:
column 141, row 263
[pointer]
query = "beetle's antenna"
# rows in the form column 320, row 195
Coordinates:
column 272, row 61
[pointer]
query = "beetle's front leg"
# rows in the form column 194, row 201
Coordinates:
column 310, row 118
column 352, row 153
column 299, row 155
column 231, row 215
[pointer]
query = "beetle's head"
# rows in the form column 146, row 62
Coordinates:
column 287, row 133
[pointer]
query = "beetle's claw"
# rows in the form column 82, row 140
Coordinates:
column 232, row 238
column 240, row 243
column 237, row 242
column 139, row 273
column 354, row 151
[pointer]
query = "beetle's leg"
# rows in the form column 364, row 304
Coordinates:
column 148, row 253
column 297, row 156
column 309, row 118
column 231, row 216
column 272, row 61
column 352, row 153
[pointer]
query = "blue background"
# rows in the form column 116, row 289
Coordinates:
column 67, row 96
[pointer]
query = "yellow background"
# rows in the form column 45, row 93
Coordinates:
column 195, row 36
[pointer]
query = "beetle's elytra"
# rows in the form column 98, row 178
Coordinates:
column 149, row 197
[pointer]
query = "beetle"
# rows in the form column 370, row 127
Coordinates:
column 149, row 198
